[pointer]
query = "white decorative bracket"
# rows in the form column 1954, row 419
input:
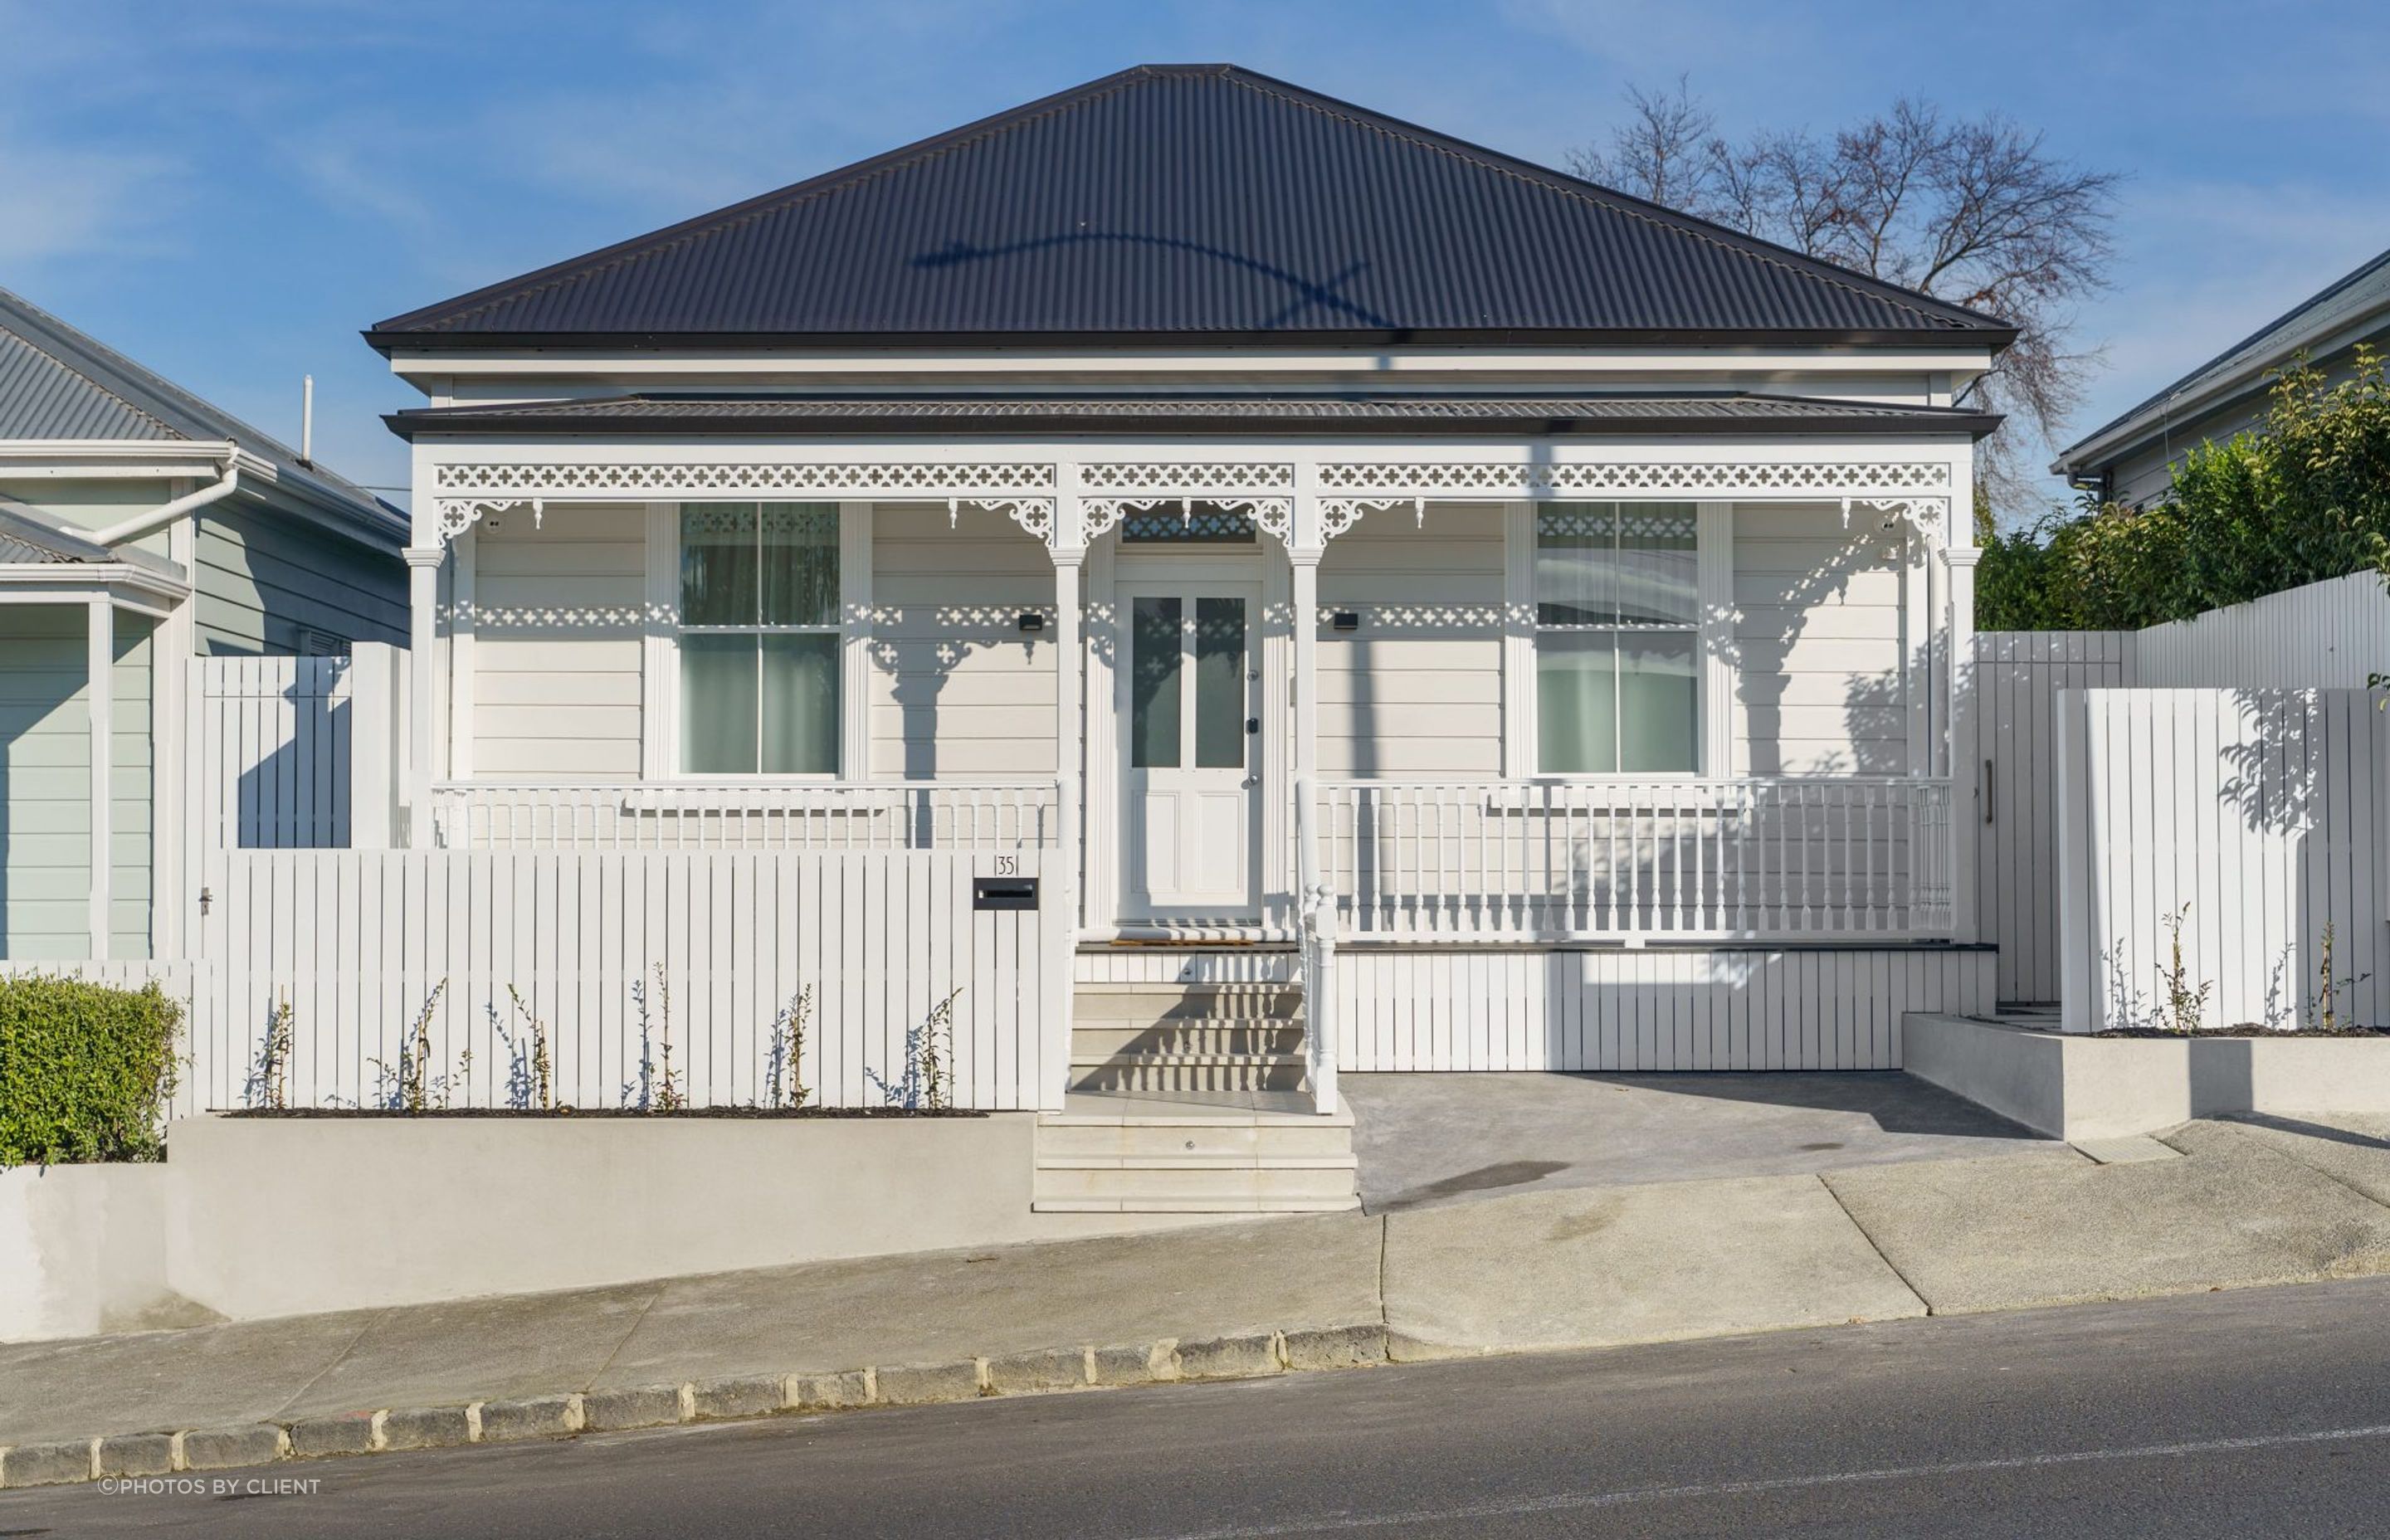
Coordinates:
column 1339, row 514
column 1272, row 516
column 1930, row 516
column 1035, row 515
column 459, row 514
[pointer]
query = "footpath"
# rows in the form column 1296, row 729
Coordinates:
column 2210, row 1205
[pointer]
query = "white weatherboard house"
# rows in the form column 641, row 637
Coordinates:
column 1239, row 586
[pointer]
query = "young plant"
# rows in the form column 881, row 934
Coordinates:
column 659, row 1084
column 530, row 1075
column 413, row 1092
column 2323, row 1011
column 2185, row 1005
column 269, row 1082
column 785, row 1066
column 927, row 1083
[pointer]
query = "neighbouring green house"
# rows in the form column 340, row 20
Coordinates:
column 141, row 526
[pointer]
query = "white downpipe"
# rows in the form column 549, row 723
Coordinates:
column 166, row 513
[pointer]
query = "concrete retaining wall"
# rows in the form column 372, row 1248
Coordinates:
column 2077, row 1087
column 270, row 1217
column 82, row 1250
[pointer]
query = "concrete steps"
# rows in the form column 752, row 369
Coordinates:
column 1165, row 1038
column 1148, row 1157
column 1191, row 1099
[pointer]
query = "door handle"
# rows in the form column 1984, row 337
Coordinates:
column 1253, row 724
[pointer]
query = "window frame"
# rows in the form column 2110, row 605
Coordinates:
column 1711, row 629
column 661, row 750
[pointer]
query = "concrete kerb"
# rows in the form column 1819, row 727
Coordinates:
column 514, row 1419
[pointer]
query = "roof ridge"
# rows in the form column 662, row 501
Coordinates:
column 1627, row 204
column 871, row 168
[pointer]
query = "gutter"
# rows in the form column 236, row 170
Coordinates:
column 166, row 513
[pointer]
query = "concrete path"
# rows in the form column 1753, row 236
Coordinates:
column 1425, row 1139
column 2281, row 1201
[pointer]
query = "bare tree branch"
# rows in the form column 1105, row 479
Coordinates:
column 1975, row 211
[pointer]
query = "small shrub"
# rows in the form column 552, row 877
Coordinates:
column 926, row 1082
column 2323, row 1010
column 410, row 1087
column 784, row 1069
column 269, row 1078
column 531, row 1078
column 2185, row 1004
column 85, row 1071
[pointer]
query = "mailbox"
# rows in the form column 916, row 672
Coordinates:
column 1004, row 892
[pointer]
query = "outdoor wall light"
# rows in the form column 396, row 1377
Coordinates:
column 1031, row 622
column 1344, row 620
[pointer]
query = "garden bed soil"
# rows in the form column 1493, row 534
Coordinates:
column 629, row 1114
column 2244, row 1029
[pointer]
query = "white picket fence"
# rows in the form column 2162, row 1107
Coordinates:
column 2324, row 635
column 357, row 944
column 2258, row 820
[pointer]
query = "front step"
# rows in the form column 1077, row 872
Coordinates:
column 1147, row 1054
column 1164, row 1038
column 1141, row 1160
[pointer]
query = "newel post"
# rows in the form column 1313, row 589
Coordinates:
column 423, row 616
column 1066, row 542
column 1966, row 762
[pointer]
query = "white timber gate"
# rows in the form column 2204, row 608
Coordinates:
column 2258, row 823
column 2018, row 676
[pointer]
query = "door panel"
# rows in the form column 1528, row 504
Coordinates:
column 1190, row 782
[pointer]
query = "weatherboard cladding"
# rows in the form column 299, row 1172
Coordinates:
column 1196, row 200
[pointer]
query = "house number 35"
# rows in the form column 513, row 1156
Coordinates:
column 1007, row 865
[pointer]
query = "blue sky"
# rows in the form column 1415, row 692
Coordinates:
column 230, row 191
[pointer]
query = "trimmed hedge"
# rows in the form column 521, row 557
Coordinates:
column 85, row 1071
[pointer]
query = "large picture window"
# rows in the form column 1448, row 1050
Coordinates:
column 1617, row 639
column 759, row 638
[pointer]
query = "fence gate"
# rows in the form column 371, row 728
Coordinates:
column 2018, row 676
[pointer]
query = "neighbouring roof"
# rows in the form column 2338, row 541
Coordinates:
column 716, row 415
column 29, row 537
column 1194, row 201
column 2361, row 297
column 59, row 383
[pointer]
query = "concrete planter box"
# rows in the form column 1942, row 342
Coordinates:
column 82, row 1250
column 2076, row 1087
column 268, row 1216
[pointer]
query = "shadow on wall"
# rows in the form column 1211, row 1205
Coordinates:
column 297, row 795
column 45, row 783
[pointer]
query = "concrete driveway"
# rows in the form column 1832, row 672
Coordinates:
column 1442, row 1138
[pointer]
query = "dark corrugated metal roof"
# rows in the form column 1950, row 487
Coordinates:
column 1199, row 200
column 1194, row 415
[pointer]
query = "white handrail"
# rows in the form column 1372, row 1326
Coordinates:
column 1739, row 859
column 1316, row 938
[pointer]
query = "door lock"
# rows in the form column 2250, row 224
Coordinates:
column 1253, row 724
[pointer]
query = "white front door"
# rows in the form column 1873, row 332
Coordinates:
column 1192, row 719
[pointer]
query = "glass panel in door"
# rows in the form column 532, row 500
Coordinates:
column 1219, row 684
column 1154, row 670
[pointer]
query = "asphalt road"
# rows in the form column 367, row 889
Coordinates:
column 2262, row 1412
